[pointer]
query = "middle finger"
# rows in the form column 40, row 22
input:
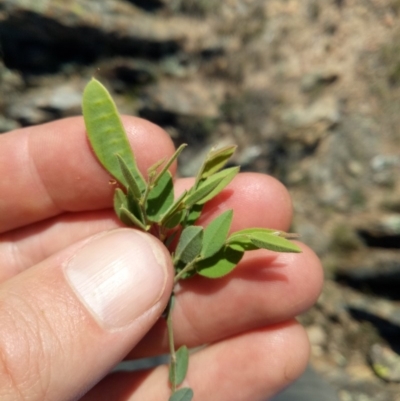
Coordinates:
column 258, row 201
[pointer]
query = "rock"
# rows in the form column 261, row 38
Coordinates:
column 248, row 155
column 315, row 80
column 44, row 104
column 184, row 98
column 324, row 110
column 316, row 335
column 381, row 231
column 377, row 270
column 391, row 203
column 385, row 169
column 307, row 125
column 312, row 235
column 125, row 75
column 65, row 99
column 382, row 162
column 188, row 107
column 385, row 362
column 355, row 168
column 39, row 37
column 27, row 115
column 10, row 80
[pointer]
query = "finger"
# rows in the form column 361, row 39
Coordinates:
column 257, row 200
column 253, row 366
column 76, row 314
column 266, row 288
column 50, row 169
column 27, row 246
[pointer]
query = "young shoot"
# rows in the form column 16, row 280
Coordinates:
column 149, row 205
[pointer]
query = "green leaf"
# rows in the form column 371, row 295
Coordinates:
column 256, row 231
column 220, row 264
column 275, row 243
column 123, row 203
column 130, row 219
column 129, row 177
column 151, row 171
column 226, row 177
column 211, row 187
column 134, row 206
column 215, row 161
column 106, row 132
column 215, row 234
column 174, row 220
column 182, row 364
column 183, row 394
column 177, row 206
column 161, row 198
column 189, row 245
column 256, row 238
column 170, row 161
column 193, row 215
column 177, row 375
column 120, row 201
column 243, row 236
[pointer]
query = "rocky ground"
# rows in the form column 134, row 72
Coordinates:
column 310, row 92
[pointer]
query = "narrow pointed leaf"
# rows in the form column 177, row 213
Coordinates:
column 130, row 219
column 153, row 169
column 215, row 161
column 177, row 375
column 174, row 220
column 133, row 206
column 275, row 243
column 220, row 264
column 211, row 187
column 170, row 161
column 195, row 195
column 106, row 132
column 215, row 234
column 176, row 207
column 256, row 231
column 227, row 176
column 242, row 239
column 189, row 245
column 160, row 198
column 256, row 238
column 183, row 394
column 120, row 201
column 130, row 179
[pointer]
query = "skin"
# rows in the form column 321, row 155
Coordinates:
column 54, row 195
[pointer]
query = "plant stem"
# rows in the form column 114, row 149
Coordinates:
column 185, row 270
column 171, row 342
column 143, row 200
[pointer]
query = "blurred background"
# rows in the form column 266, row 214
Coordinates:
column 309, row 90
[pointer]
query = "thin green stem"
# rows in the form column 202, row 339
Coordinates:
column 185, row 270
column 143, row 200
column 171, row 342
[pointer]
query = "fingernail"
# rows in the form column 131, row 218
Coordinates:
column 118, row 276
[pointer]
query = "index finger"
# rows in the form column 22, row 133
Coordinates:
column 49, row 169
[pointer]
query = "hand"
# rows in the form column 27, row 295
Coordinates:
column 78, row 292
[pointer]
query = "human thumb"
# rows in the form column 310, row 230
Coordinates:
column 68, row 320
